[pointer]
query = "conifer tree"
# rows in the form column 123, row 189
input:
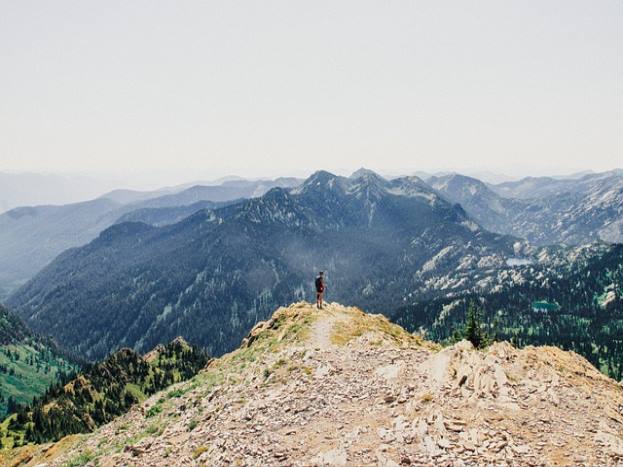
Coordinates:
column 474, row 327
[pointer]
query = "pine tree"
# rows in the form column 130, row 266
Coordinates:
column 473, row 330
column 11, row 405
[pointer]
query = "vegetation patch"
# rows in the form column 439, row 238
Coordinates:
column 288, row 325
column 80, row 460
column 28, row 364
column 153, row 411
column 27, row 369
column 192, row 425
column 102, row 392
column 176, row 393
column 199, row 451
column 154, row 429
column 360, row 323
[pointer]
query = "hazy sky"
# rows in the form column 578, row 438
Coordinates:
column 274, row 87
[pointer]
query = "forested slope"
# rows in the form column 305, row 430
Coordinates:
column 586, row 317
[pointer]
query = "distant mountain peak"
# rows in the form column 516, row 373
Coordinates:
column 363, row 172
column 369, row 184
column 320, row 176
column 318, row 181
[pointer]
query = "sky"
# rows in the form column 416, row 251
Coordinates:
column 208, row 88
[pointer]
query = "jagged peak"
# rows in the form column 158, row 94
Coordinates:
column 367, row 177
column 368, row 185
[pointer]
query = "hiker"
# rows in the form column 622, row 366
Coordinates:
column 319, row 289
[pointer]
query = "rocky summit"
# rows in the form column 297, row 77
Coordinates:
column 341, row 387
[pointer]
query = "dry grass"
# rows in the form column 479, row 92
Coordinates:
column 37, row 454
column 200, row 450
column 358, row 323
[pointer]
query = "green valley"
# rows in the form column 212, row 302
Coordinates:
column 100, row 393
column 28, row 364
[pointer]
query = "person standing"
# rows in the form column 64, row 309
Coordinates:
column 320, row 287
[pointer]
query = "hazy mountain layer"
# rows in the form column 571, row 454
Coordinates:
column 168, row 215
column 31, row 237
column 28, row 189
column 542, row 187
column 227, row 191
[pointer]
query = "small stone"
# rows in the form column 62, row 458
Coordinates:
column 443, row 443
column 133, row 450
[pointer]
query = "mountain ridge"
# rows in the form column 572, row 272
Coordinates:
column 341, row 387
column 100, row 392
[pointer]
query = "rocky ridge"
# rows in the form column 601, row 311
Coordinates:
column 543, row 211
column 341, row 387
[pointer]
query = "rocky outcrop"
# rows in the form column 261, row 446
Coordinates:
column 340, row 387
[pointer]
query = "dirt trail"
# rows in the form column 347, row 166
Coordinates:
column 323, row 327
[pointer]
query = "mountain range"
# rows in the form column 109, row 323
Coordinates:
column 213, row 275
column 544, row 210
column 209, row 270
column 30, row 189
